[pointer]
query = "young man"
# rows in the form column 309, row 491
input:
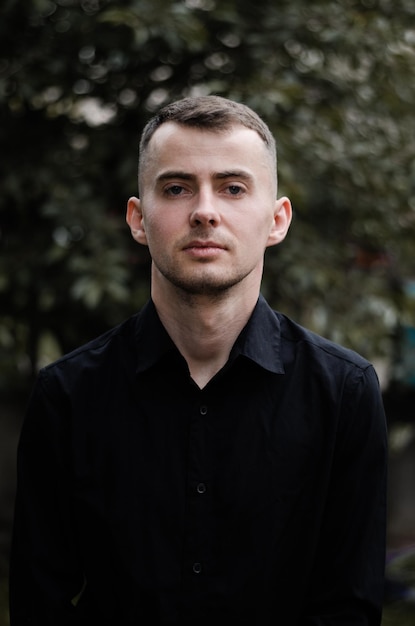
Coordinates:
column 209, row 460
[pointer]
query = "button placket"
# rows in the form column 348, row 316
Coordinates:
column 198, row 542
column 201, row 487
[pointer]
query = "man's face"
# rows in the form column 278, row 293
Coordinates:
column 207, row 209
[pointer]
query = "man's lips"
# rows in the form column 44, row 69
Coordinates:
column 203, row 248
column 203, row 244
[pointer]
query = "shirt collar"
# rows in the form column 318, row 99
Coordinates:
column 152, row 339
column 259, row 341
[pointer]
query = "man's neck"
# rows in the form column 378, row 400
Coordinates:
column 204, row 328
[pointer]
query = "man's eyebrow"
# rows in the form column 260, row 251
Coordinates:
column 181, row 175
column 168, row 175
column 241, row 174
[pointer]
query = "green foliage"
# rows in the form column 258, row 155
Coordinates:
column 79, row 78
column 401, row 613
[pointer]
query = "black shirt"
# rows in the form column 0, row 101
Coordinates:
column 257, row 500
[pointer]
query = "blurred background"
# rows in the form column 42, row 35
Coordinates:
column 334, row 79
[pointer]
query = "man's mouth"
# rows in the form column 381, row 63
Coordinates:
column 200, row 248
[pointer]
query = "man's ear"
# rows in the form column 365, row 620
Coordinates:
column 135, row 220
column 282, row 221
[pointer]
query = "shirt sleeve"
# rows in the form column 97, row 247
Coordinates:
column 45, row 568
column 348, row 577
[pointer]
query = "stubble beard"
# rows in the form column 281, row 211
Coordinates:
column 201, row 283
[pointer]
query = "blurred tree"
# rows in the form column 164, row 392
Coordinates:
column 79, row 78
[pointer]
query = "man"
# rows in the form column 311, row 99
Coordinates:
column 208, row 461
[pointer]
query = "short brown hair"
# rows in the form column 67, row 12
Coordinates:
column 213, row 113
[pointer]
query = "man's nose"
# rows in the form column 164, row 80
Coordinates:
column 205, row 210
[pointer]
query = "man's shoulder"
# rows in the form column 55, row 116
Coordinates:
column 117, row 340
column 307, row 342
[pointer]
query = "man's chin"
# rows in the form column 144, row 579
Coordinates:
column 204, row 286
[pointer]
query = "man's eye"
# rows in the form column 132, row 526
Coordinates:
column 174, row 190
column 234, row 190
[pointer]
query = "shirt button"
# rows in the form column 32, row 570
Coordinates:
column 201, row 488
column 203, row 409
column 197, row 568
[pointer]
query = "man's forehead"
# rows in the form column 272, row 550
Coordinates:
column 188, row 149
column 172, row 129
